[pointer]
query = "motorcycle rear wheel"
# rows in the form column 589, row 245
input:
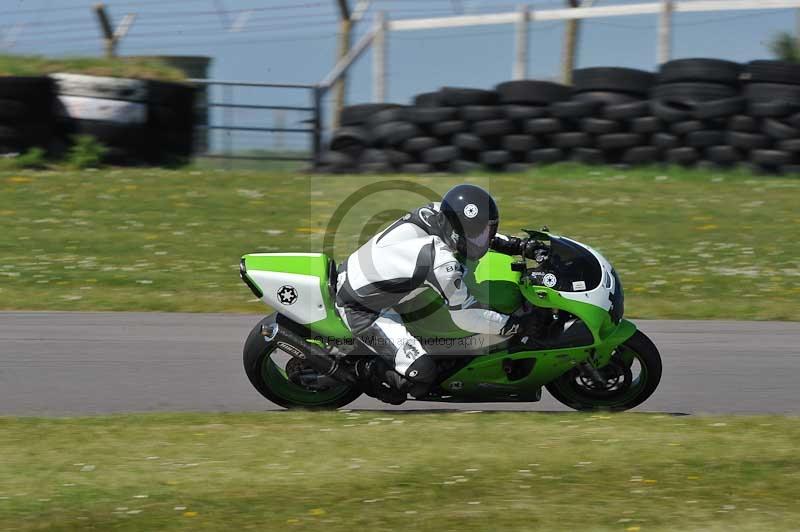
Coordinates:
column 629, row 390
column 264, row 364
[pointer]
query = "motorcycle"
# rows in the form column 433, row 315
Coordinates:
column 588, row 358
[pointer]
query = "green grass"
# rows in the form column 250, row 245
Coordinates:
column 126, row 67
column 400, row 471
column 687, row 244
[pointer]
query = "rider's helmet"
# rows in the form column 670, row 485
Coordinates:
column 470, row 220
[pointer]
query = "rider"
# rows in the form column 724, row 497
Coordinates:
column 426, row 248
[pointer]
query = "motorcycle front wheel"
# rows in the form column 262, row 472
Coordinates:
column 628, row 384
column 265, row 365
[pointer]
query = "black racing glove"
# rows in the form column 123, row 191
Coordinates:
column 526, row 321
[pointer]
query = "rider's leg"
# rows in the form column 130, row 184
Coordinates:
column 413, row 369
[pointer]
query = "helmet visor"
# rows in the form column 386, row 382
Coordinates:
column 477, row 245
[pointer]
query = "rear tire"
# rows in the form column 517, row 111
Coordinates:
column 567, row 391
column 266, row 376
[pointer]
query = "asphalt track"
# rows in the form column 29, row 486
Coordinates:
column 90, row 363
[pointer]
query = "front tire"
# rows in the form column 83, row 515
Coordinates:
column 263, row 363
column 629, row 390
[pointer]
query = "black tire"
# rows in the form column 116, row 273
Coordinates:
column 780, row 131
column 791, row 145
column 793, row 120
column 590, row 156
column 417, row 168
column 614, row 141
column 612, row 79
column 600, row 126
column 395, row 133
column 468, row 141
column 420, row 144
column 33, row 89
column 606, row 98
column 641, row 155
column 772, row 92
column 692, row 93
column 441, row 154
column 689, row 126
column 574, row 108
column 517, row 168
column 746, row 124
column 700, row 69
column 427, row 99
column 647, row 125
column 723, row 155
column 356, row 115
column 134, row 137
column 720, row 108
column 770, row 158
column 495, row 158
column 257, row 353
column 572, row 139
column 492, row 128
column 524, row 112
column 541, row 126
column 627, row 111
column 565, row 390
column 109, row 88
column 398, row 158
column 530, row 92
column 449, row 127
column 545, row 156
column 765, row 71
column 392, row 114
column 517, row 143
column 748, row 141
column 772, row 109
column 670, row 112
column 423, row 116
column 684, row 156
column 475, row 113
column 463, row 167
column 705, row 138
column 373, row 156
column 346, row 138
column 458, row 97
column 665, row 141
column 12, row 110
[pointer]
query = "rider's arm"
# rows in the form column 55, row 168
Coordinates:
column 467, row 313
column 508, row 245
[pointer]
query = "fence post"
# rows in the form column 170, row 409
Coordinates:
column 316, row 135
column 379, row 59
column 520, row 70
column 665, row 32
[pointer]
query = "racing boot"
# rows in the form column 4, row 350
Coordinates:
column 380, row 381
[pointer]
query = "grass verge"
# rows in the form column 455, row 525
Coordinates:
column 687, row 244
column 400, row 471
column 125, row 67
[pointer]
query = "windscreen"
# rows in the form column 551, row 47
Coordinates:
column 575, row 268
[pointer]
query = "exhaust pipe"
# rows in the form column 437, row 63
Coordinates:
column 315, row 356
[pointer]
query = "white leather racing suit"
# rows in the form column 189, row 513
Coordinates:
column 396, row 265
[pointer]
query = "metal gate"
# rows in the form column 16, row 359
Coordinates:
column 226, row 120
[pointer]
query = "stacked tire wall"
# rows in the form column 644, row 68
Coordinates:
column 139, row 121
column 705, row 112
column 27, row 118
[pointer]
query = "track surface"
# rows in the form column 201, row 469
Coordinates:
column 88, row 363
